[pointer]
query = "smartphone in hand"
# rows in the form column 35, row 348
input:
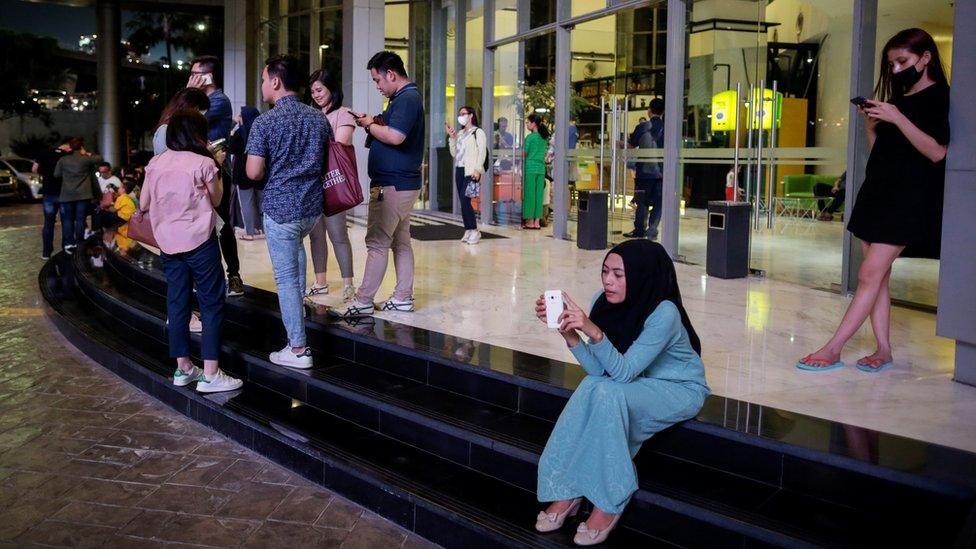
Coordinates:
column 860, row 102
column 554, row 307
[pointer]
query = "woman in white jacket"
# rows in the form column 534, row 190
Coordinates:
column 469, row 147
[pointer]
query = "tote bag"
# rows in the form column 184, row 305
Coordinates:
column 340, row 186
column 141, row 230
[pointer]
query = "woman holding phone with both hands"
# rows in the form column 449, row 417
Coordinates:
column 898, row 212
column 645, row 374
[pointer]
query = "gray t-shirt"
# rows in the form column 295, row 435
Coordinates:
column 159, row 140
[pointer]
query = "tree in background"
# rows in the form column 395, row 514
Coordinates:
column 25, row 62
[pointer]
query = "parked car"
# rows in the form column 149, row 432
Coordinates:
column 8, row 184
column 28, row 183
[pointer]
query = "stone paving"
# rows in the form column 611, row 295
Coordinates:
column 88, row 461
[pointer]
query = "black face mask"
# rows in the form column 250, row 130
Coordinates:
column 904, row 80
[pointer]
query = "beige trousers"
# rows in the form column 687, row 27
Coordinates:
column 388, row 227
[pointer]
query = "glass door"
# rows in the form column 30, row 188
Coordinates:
column 617, row 68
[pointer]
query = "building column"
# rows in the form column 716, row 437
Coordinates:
column 674, row 92
column 363, row 34
column 560, row 165
column 107, row 69
column 863, row 35
column 957, row 293
column 235, row 52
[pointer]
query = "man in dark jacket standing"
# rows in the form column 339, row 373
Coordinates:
column 51, row 192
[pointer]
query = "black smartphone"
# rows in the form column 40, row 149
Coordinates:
column 860, row 102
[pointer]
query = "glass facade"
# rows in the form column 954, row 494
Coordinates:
column 764, row 108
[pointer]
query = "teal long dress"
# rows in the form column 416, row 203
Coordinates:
column 624, row 400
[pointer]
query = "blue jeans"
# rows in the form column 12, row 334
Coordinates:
column 73, row 215
column 200, row 267
column 51, row 207
column 651, row 197
column 287, row 249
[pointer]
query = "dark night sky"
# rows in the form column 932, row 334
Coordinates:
column 64, row 23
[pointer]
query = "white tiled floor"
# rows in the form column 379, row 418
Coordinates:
column 753, row 330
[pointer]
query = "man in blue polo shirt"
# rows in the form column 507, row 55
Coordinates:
column 396, row 150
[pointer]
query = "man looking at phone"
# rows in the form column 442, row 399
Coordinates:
column 204, row 74
column 396, row 150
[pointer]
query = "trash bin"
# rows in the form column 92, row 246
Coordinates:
column 727, row 248
column 591, row 229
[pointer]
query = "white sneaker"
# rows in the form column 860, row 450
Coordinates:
column 348, row 293
column 400, row 306
column 467, row 235
column 354, row 310
column 286, row 357
column 218, row 383
column 182, row 379
column 475, row 237
column 315, row 289
column 196, row 325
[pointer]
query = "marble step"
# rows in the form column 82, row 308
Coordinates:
column 742, row 504
column 445, row 502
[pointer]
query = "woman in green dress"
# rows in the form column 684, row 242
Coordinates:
column 534, row 171
column 645, row 373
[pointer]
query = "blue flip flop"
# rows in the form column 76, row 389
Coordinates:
column 811, row 368
column 871, row 369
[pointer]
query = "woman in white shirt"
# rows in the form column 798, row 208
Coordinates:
column 469, row 147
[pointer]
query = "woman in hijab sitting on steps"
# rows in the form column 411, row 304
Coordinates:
column 643, row 360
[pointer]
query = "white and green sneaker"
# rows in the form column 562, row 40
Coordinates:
column 182, row 379
column 218, row 382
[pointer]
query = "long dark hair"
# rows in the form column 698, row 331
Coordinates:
column 187, row 98
column 918, row 42
column 540, row 125
column 187, row 131
column 472, row 112
column 323, row 77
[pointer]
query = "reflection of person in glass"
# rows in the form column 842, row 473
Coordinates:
column 649, row 177
column 898, row 211
column 643, row 360
column 534, row 178
column 504, row 140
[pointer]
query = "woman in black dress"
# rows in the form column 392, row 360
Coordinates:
column 898, row 211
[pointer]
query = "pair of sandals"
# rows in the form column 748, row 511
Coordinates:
column 866, row 364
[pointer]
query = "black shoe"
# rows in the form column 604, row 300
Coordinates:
column 634, row 234
column 235, row 286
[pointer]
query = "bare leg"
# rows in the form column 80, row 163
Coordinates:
column 599, row 520
column 559, row 506
column 870, row 279
column 881, row 324
column 209, row 368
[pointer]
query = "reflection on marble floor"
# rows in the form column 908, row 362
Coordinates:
column 753, row 330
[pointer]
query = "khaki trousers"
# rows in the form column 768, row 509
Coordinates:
column 388, row 227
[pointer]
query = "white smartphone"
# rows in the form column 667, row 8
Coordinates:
column 207, row 79
column 554, row 307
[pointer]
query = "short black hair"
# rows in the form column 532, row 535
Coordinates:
column 286, row 68
column 387, row 61
column 212, row 65
column 657, row 106
column 105, row 165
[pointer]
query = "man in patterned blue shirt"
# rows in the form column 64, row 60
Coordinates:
column 288, row 144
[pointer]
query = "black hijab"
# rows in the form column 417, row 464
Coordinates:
column 651, row 279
